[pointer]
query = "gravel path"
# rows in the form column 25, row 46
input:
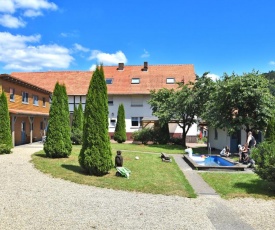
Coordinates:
column 33, row 200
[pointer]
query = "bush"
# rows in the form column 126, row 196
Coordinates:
column 161, row 134
column 4, row 149
column 264, row 156
column 76, row 137
column 144, row 135
column 176, row 140
column 120, row 131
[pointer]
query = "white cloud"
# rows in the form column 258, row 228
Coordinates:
column 7, row 6
column 214, row 77
column 79, row 47
column 93, row 67
column 145, row 54
column 17, row 54
column 32, row 13
column 9, row 21
column 272, row 63
column 30, row 8
column 108, row 59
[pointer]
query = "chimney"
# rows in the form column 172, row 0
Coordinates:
column 120, row 66
column 145, row 66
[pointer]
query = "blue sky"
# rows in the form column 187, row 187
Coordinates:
column 215, row 35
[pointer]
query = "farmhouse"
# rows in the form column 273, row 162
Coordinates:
column 28, row 107
column 129, row 85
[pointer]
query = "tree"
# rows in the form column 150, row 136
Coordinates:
column 181, row 105
column 120, row 130
column 5, row 131
column 77, row 125
column 238, row 101
column 95, row 156
column 270, row 131
column 58, row 141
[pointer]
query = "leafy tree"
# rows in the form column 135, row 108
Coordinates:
column 270, row 131
column 240, row 100
column 58, row 141
column 5, row 131
column 161, row 133
column 77, row 125
column 182, row 105
column 264, row 156
column 120, row 130
column 271, row 77
column 95, row 156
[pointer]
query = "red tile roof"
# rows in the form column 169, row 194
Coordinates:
column 77, row 82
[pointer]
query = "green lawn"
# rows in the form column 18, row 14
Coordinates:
column 232, row 185
column 149, row 173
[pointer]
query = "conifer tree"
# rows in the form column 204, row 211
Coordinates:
column 77, row 125
column 270, row 131
column 95, row 156
column 58, row 141
column 5, row 131
column 120, row 130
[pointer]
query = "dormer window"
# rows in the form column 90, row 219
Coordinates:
column 135, row 81
column 170, row 80
column 109, row 81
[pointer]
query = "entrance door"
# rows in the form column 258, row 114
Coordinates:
column 235, row 140
column 23, row 132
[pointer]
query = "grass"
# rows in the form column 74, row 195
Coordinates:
column 149, row 173
column 237, row 185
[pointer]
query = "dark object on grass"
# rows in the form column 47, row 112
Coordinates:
column 165, row 158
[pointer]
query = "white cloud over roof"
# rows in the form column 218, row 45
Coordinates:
column 20, row 53
column 107, row 58
column 214, row 77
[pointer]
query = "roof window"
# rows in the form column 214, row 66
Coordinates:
column 109, row 81
column 135, row 81
column 170, row 80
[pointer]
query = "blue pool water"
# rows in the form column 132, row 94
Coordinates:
column 214, row 161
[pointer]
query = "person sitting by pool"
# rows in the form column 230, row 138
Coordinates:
column 243, row 151
column 225, row 152
column 248, row 160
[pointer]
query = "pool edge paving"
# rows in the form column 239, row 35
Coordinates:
column 200, row 187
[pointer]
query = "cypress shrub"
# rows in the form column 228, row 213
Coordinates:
column 161, row 134
column 120, row 130
column 270, row 131
column 5, row 131
column 58, row 141
column 77, row 126
column 95, row 155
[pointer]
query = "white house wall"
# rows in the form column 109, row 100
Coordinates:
column 130, row 111
column 222, row 138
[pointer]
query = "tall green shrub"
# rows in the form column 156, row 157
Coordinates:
column 264, row 156
column 270, row 131
column 120, row 130
column 58, row 142
column 95, row 156
column 5, row 131
column 161, row 134
column 77, row 125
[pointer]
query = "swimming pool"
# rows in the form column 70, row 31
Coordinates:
column 201, row 162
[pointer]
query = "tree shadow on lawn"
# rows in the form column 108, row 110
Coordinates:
column 74, row 168
column 258, row 186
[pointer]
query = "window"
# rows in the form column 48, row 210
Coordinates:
column 216, row 134
column 35, row 99
column 136, row 121
column 113, row 122
column 25, row 97
column 44, row 101
column 12, row 96
column 110, row 100
column 170, row 80
column 137, row 101
column 109, row 81
column 135, row 81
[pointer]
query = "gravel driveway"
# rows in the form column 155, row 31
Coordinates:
column 33, row 200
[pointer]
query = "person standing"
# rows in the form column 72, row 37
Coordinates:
column 251, row 141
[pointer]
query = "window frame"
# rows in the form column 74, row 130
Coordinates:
column 170, row 80
column 43, row 101
column 25, row 97
column 12, row 95
column 35, row 102
column 109, row 81
column 135, row 81
column 110, row 100
column 136, row 119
